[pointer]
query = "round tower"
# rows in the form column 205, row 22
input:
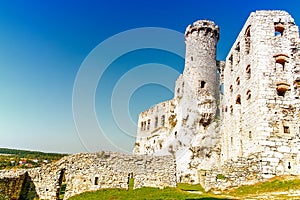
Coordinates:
column 200, row 70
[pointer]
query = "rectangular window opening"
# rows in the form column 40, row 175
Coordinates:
column 286, row 129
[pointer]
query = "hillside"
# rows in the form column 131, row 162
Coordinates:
column 15, row 158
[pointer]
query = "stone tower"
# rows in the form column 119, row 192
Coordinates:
column 200, row 62
column 186, row 126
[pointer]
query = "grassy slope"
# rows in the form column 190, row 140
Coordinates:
column 277, row 184
column 139, row 194
column 148, row 193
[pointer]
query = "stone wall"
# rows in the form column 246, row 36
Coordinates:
column 89, row 172
column 16, row 185
column 233, row 173
column 192, row 118
column 261, row 103
column 256, row 113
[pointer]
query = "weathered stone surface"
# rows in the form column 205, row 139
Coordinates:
column 256, row 112
column 89, row 172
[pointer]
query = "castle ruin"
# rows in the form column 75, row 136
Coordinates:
column 236, row 119
column 88, row 172
column 230, row 123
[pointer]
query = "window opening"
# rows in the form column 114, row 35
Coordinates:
column 238, row 99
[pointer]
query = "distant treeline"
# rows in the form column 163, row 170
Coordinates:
column 26, row 153
column 14, row 158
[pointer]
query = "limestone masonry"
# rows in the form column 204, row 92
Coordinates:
column 88, row 172
column 230, row 123
column 234, row 122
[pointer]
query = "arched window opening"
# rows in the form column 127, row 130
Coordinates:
column 226, row 108
column 250, row 135
column 282, row 88
column 231, row 88
column 231, row 109
column 279, row 28
column 247, row 40
column 163, row 120
column 238, row 80
column 248, row 94
column 289, row 165
column 202, row 84
column 248, row 72
column 230, row 62
column 237, row 52
column 148, row 127
column 238, row 99
column 281, row 59
column 156, row 122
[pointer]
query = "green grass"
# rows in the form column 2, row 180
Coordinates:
column 277, row 184
column 131, row 183
column 190, row 187
column 140, row 194
column 62, row 191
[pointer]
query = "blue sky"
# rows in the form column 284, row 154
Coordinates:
column 43, row 45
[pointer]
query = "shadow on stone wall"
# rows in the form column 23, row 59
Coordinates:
column 19, row 187
column 28, row 191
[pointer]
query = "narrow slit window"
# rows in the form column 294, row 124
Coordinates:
column 148, row 127
column 156, row 122
column 247, row 40
column 202, row 84
column 162, row 120
column 248, row 94
column 238, row 81
column 248, row 72
column 231, row 88
column 96, row 181
column 238, row 99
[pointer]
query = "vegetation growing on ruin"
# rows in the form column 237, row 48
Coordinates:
column 221, row 176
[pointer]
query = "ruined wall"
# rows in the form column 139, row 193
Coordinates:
column 233, row 173
column 191, row 118
column 261, row 103
column 153, row 127
column 89, row 172
column 16, row 185
column 257, row 110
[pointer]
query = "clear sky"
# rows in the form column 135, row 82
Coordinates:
column 42, row 48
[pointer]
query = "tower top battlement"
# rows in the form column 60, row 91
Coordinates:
column 209, row 27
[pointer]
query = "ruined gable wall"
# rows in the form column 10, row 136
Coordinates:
column 154, row 126
column 271, row 117
column 279, row 69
